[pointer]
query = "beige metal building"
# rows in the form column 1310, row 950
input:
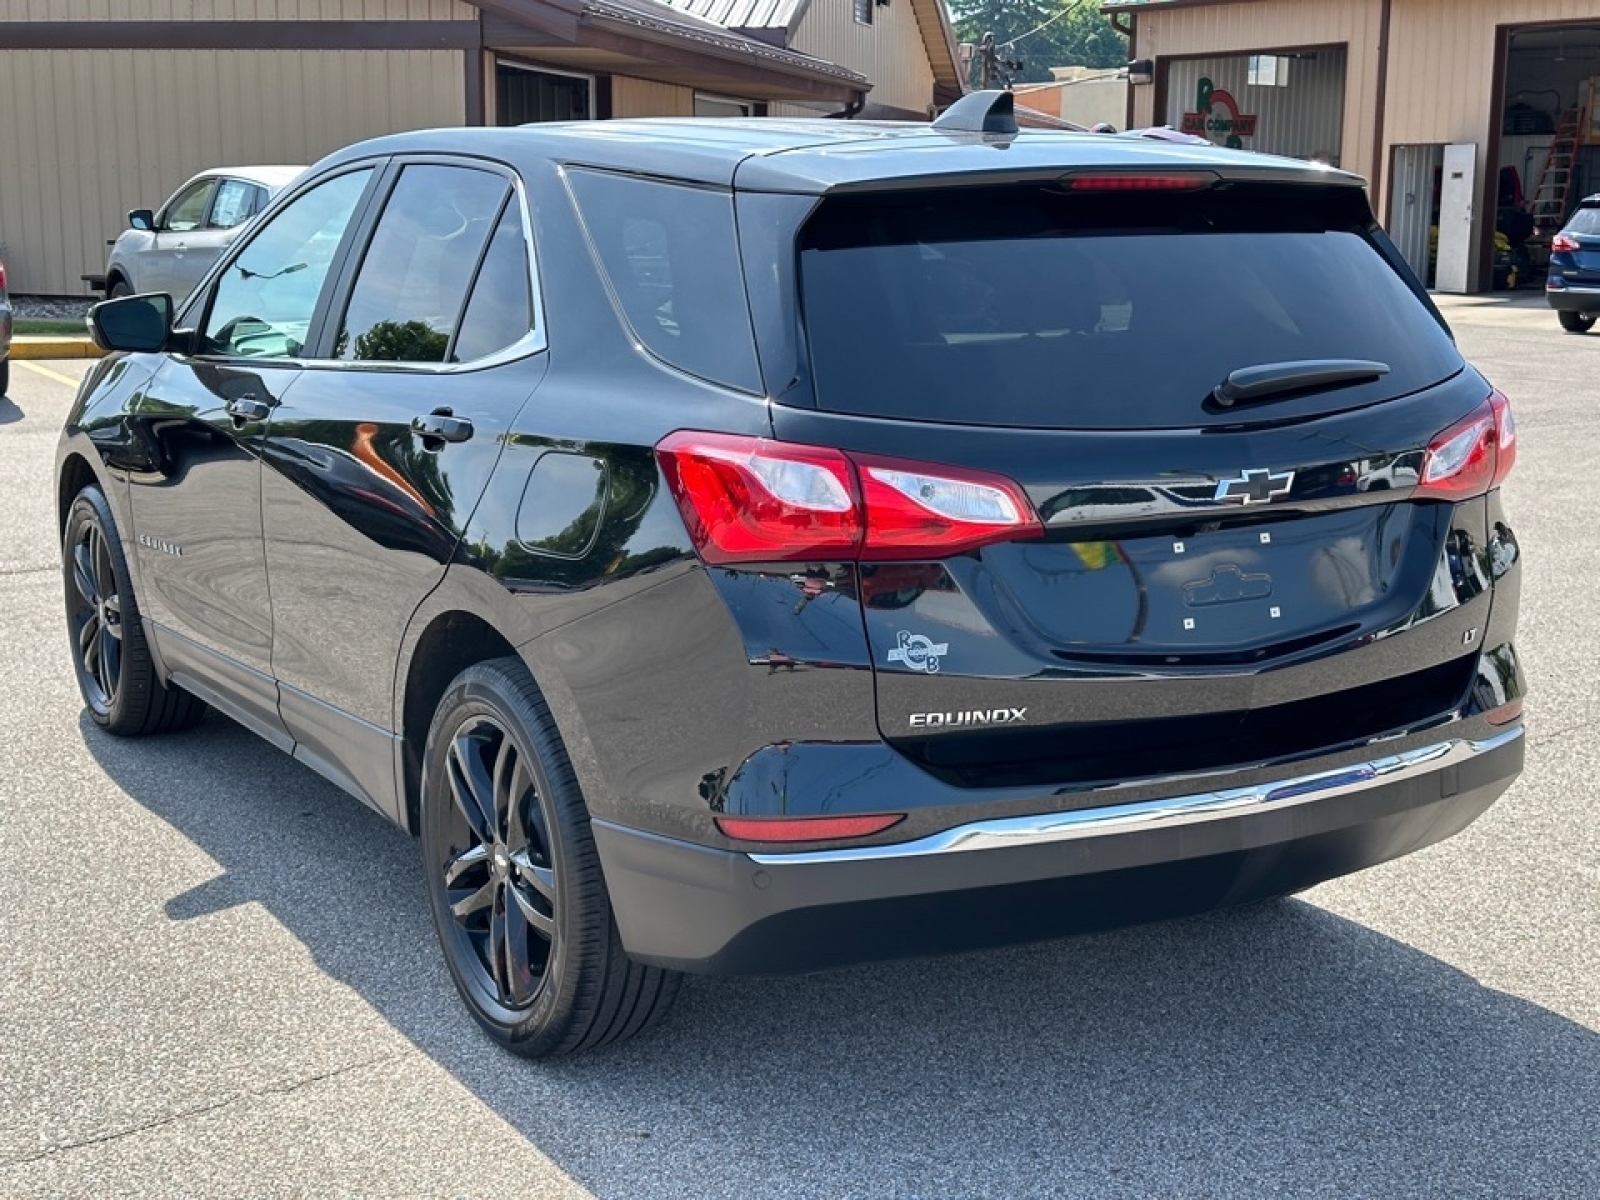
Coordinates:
column 1463, row 114
column 111, row 104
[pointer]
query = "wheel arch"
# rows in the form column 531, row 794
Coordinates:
column 74, row 474
column 471, row 618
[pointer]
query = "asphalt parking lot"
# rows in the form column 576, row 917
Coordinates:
column 220, row 977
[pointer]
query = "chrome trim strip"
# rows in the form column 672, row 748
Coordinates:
column 1166, row 813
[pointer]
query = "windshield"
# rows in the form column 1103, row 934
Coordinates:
column 1028, row 306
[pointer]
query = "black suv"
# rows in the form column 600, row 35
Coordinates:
column 751, row 546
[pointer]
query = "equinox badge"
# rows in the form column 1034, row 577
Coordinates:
column 1255, row 487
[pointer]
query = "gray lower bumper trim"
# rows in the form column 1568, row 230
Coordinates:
column 1166, row 813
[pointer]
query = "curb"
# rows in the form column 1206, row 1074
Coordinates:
column 54, row 347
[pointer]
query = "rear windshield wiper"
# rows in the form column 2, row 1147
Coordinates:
column 1272, row 381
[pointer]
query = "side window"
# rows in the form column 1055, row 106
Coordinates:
column 500, row 309
column 235, row 202
column 263, row 304
column 188, row 208
column 672, row 256
column 409, row 293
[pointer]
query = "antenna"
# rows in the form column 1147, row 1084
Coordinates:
column 980, row 112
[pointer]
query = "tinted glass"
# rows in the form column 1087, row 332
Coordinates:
column 1034, row 307
column 262, row 305
column 235, row 201
column 671, row 254
column 1585, row 220
column 500, row 310
column 413, row 280
column 188, row 209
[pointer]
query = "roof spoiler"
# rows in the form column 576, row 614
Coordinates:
column 993, row 111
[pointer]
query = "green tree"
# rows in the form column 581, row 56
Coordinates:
column 1041, row 35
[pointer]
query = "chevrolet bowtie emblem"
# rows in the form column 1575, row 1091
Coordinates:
column 1254, row 487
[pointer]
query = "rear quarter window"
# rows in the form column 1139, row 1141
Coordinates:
column 670, row 253
column 1029, row 306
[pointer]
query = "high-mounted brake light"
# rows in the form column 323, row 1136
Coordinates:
column 805, row 829
column 748, row 499
column 1140, row 182
column 1561, row 242
column 1472, row 456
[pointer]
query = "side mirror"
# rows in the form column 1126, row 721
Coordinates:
column 142, row 219
column 137, row 323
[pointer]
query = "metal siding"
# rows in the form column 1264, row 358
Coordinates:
column 95, row 132
column 237, row 10
column 890, row 52
column 1245, row 28
column 1300, row 120
column 632, row 97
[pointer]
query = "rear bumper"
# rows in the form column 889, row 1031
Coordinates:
column 1574, row 297
column 715, row 911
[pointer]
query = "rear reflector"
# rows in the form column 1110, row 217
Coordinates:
column 1472, row 456
column 1505, row 714
column 805, row 829
column 748, row 499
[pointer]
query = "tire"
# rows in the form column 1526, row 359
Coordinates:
column 110, row 655
column 514, row 880
column 118, row 289
column 5, row 376
column 1576, row 322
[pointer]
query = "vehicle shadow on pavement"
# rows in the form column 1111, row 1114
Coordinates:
column 1276, row 1050
column 9, row 412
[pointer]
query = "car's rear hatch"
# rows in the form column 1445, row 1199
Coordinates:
column 1205, row 579
column 1583, row 232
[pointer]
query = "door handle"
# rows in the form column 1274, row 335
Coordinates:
column 441, row 425
column 248, row 408
column 181, row 247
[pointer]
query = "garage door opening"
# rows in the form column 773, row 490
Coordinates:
column 1547, row 145
column 1287, row 102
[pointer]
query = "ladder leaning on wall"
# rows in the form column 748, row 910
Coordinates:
column 1548, row 206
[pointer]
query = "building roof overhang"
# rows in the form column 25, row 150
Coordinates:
column 652, row 40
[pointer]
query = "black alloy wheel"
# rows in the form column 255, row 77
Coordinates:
column 499, row 880
column 514, row 880
column 110, row 656
column 96, row 619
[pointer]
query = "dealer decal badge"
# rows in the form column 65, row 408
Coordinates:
column 918, row 653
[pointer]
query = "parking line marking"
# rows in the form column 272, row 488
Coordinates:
column 47, row 373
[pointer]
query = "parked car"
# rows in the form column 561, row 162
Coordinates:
column 169, row 250
column 1573, row 284
column 777, row 577
column 5, row 332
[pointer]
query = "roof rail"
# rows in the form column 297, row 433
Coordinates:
column 993, row 111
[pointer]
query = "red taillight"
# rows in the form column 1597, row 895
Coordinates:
column 1561, row 242
column 1472, row 456
column 753, row 500
column 915, row 511
column 805, row 829
column 748, row 499
column 1140, row 182
column 2, row 277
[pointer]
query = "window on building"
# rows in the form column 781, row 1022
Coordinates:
column 721, row 106
column 524, row 95
column 863, row 11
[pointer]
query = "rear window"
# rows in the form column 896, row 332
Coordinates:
column 1029, row 306
column 1585, row 220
